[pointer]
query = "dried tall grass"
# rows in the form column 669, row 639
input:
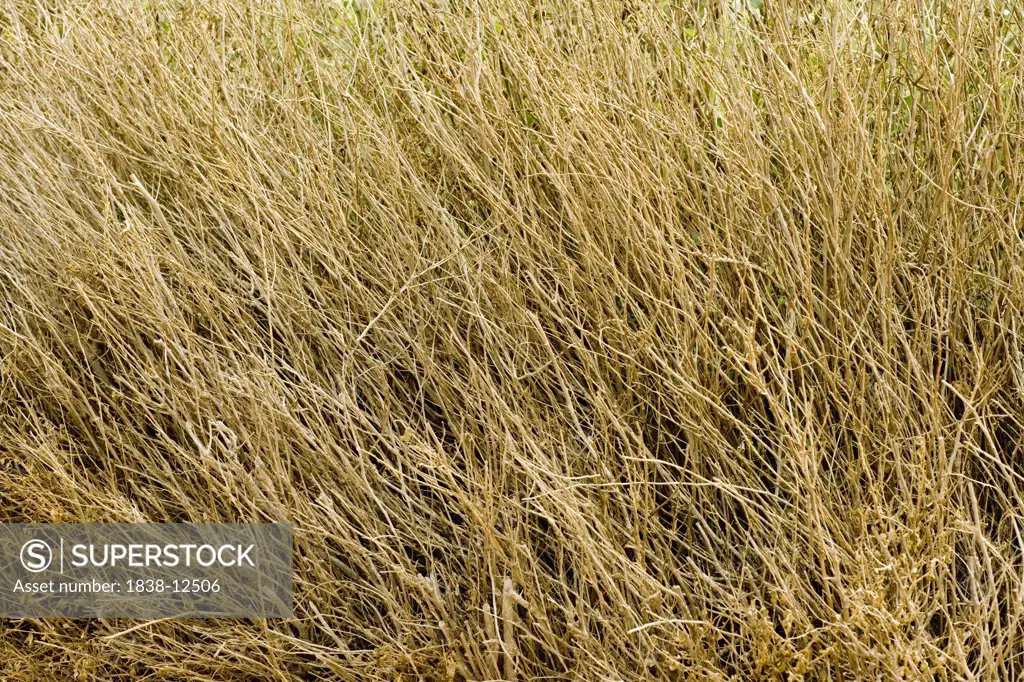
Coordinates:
column 600, row 340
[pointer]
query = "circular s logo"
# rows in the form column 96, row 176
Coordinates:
column 36, row 556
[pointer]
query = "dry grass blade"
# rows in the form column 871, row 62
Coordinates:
column 600, row 340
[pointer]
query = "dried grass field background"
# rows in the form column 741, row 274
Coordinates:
column 589, row 340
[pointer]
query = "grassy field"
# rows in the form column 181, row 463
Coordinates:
column 598, row 340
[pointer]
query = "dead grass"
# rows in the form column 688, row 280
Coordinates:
column 593, row 340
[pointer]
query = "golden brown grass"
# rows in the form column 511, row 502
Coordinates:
column 590, row 340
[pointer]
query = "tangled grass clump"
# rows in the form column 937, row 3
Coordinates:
column 603, row 340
